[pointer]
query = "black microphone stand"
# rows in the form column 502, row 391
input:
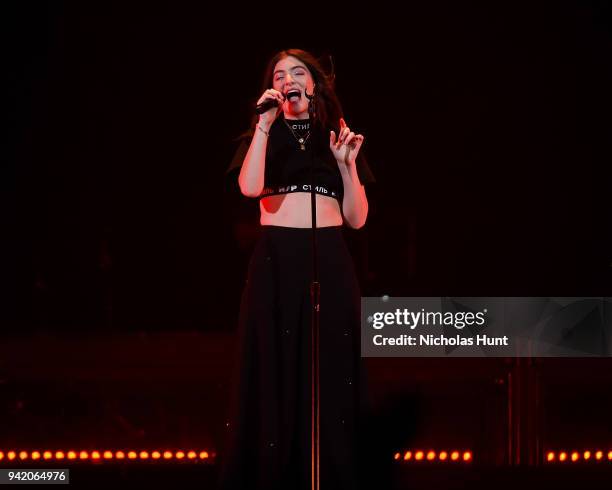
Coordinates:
column 315, row 294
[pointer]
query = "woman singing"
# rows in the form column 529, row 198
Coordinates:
column 268, row 435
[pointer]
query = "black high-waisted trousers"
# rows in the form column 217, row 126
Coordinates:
column 267, row 435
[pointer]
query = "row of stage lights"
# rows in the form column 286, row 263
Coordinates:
column 454, row 456
column 413, row 456
column 104, row 455
column 433, row 456
column 577, row 456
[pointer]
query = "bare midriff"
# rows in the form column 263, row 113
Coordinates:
column 293, row 210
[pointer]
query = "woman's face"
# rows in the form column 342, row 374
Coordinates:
column 291, row 74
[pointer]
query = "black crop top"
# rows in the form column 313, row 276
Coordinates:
column 288, row 167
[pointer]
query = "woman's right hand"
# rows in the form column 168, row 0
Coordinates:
column 268, row 117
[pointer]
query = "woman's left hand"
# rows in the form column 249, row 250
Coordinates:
column 346, row 147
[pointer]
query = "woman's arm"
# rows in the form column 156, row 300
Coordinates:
column 355, row 202
column 252, row 174
column 251, row 178
column 345, row 149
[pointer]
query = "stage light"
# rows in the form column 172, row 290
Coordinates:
column 443, row 456
column 586, row 455
column 418, row 455
column 396, row 456
column 408, row 456
column 562, row 456
column 99, row 456
column 575, row 457
column 609, row 455
column 431, row 455
column 599, row 455
column 467, row 456
column 455, row 455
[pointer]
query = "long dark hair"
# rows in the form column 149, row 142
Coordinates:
column 328, row 108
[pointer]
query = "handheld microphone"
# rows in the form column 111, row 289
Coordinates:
column 267, row 104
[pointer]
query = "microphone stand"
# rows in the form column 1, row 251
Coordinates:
column 315, row 294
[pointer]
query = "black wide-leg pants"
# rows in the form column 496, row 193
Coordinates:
column 268, row 432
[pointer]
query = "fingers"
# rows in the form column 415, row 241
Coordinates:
column 350, row 138
column 345, row 137
column 272, row 94
column 344, row 132
column 279, row 96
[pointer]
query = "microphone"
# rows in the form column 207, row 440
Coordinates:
column 267, row 104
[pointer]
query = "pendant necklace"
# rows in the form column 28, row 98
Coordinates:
column 300, row 140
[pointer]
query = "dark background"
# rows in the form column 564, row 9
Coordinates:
column 487, row 127
column 124, row 246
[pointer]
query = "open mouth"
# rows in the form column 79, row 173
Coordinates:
column 293, row 95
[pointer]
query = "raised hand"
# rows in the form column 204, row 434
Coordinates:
column 346, row 146
column 268, row 117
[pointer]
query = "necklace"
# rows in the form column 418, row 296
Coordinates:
column 300, row 140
